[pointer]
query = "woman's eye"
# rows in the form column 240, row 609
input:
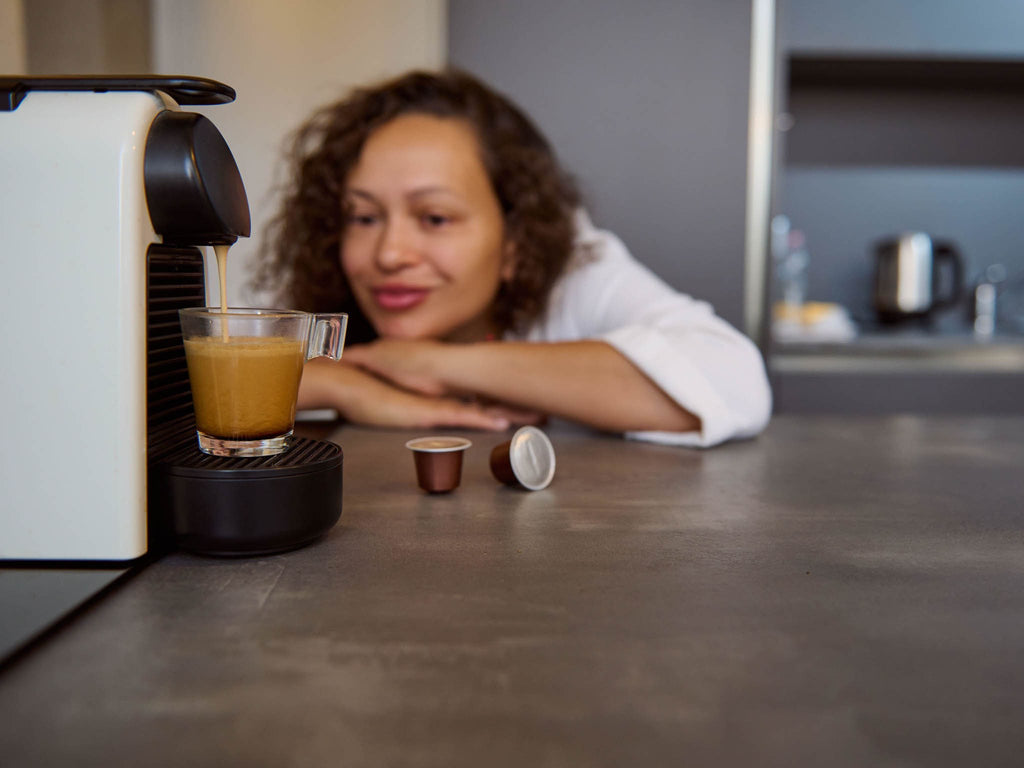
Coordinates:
column 362, row 219
column 435, row 220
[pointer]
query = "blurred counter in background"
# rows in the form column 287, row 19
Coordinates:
column 900, row 373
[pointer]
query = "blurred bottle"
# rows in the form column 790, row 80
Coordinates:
column 986, row 291
column 780, row 238
column 795, row 319
column 792, row 271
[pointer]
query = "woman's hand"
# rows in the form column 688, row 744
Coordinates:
column 363, row 398
column 415, row 365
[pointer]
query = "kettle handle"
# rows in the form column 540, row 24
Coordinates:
column 948, row 252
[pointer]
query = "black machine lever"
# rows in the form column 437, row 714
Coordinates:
column 193, row 187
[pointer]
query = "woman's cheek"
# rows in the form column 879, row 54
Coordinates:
column 350, row 259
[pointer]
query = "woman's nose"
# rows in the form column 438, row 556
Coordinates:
column 398, row 247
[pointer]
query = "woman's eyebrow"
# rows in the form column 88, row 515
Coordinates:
column 416, row 193
column 432, row 189
column 362, row 194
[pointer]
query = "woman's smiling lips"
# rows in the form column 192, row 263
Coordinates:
column 398, row 297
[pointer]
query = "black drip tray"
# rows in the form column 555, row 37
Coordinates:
column 261, row 505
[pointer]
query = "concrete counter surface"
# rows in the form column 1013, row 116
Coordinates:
column 839, row 591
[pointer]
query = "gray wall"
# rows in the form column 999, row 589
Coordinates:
column 646, row 102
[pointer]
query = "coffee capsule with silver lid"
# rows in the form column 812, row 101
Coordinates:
column 527, row 460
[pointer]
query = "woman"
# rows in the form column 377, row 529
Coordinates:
column 432, row 211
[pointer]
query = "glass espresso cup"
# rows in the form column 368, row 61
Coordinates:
column 244, row 366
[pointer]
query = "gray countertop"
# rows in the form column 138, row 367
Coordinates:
column 840, row 591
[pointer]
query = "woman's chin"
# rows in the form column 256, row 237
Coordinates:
column 405, row 332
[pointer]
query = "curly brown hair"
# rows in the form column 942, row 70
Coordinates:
column 299, row 258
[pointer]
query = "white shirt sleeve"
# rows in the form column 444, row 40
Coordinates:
column 699, row 360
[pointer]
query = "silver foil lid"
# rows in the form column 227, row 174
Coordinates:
column 532, row 457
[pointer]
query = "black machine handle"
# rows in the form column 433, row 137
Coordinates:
column 947, row 252
column 183, row 89
column 193, row 188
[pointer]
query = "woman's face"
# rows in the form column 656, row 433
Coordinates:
column 424, row 248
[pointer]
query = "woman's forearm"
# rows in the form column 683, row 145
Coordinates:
column 586, row 381
column 362, row 398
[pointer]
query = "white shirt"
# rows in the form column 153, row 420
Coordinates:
column 698, row 359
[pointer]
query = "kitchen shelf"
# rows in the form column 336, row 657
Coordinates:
column 942, row 73
column 899, row 112
column 891, row 122
column 880, row 144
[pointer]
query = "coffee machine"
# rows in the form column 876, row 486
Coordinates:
column 110, row 189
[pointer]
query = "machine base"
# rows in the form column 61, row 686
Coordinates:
column 237, row 507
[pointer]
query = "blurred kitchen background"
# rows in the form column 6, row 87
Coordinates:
column 754, row 153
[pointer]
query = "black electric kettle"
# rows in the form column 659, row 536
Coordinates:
column 909, row 282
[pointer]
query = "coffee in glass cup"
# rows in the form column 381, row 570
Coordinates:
column 245, row 366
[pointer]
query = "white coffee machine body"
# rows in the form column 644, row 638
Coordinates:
column 73, row 395
column 108, row 189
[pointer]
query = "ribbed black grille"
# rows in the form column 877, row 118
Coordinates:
column 176, row 279
column 303, row 452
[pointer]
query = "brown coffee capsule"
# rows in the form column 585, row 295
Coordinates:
column 438, row 461
column 501, row 464
column 527, row 460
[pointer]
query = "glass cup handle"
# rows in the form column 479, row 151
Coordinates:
column 328, row 336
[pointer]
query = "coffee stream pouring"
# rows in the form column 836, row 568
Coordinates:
column 110, row 189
